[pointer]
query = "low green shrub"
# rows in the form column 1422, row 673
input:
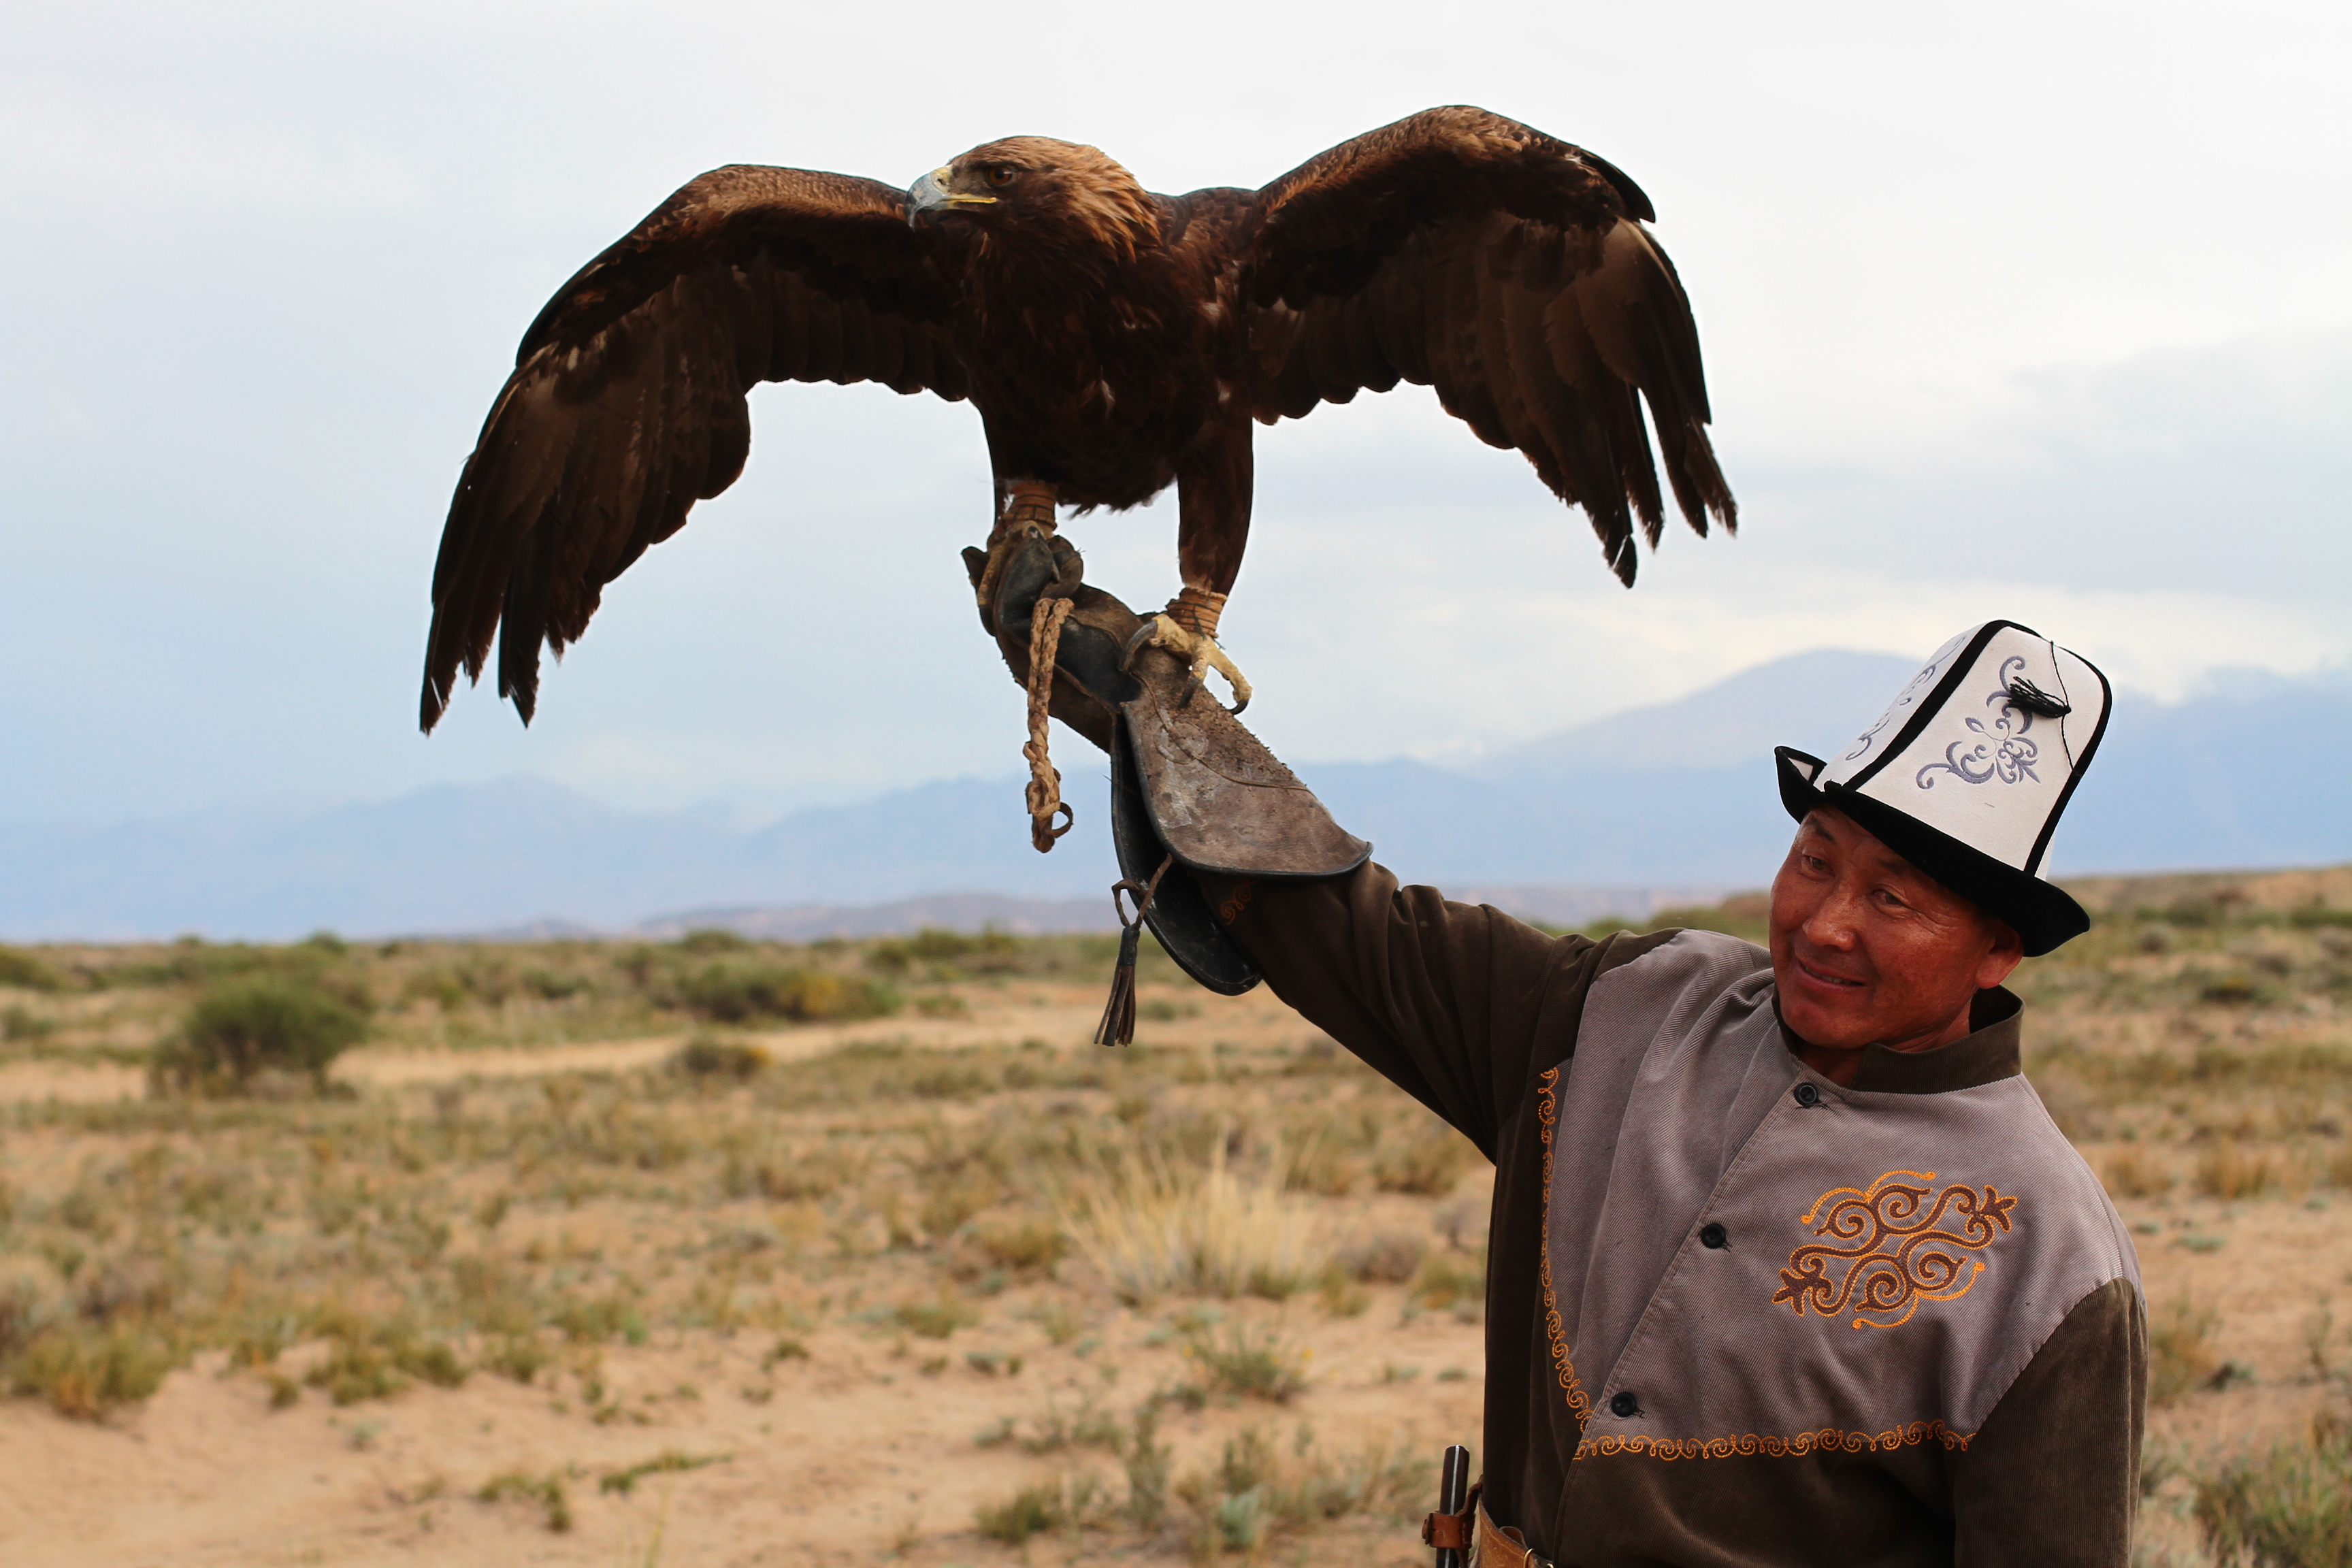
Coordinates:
column 937, row 1318
column 548, row 1491
column 989, row 951
column 1254, row 1366
column 1447, row 1280
column 709, row 940
column 667, row 1462
column 2289, row 1507
column 706, row 1058
column 742, row 992
column 87, row 1372
column 22, row 970
column 239, row 1030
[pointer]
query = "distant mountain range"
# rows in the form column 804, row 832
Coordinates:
column 1662, row 805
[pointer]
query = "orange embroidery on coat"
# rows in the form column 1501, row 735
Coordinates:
column 1827, row 1440
column 1896, row 1253
column 1236, row 902
column 1555, row 1330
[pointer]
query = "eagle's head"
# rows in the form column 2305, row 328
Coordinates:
column 1036, row 188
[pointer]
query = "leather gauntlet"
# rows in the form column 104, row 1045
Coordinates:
column 1188, row 781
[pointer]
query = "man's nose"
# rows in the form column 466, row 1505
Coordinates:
column 1833, row 919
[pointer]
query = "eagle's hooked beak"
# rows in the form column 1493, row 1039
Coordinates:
column 930, row 195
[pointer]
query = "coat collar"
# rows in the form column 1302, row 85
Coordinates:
column 1988, row 1053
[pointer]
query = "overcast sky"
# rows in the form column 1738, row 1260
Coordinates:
column 2042, row 311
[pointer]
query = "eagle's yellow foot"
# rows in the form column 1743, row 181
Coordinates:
column 1188, row 628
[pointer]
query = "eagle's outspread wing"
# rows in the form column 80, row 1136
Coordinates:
column 628, row 401
column 1464, row 251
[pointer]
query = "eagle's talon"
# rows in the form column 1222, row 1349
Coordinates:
column 1201, row 654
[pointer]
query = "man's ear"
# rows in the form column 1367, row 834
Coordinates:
column 2002, row 958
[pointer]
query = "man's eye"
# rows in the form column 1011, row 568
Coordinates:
column 999, row 175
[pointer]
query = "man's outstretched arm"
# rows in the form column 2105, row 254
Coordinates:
column 1450, row 1002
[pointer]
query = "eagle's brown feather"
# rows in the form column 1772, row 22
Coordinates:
column 1114, row 342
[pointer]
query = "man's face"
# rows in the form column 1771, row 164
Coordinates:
column 1869, row 951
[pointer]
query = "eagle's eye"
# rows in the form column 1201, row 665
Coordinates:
column 998, row 175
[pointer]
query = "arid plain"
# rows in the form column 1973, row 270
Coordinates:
column 712, row 1252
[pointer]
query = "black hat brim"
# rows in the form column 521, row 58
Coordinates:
column 2045, row 915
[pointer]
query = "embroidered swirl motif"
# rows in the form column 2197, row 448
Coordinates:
column 1827, row 1440
column 2000, row 750
column 1902, row 700
column 1900, row 1248
column 1555, row 1330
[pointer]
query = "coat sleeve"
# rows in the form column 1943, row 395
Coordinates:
column 1452, row 1003
column 2052, row 1479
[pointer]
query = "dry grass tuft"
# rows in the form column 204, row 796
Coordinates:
column 2230, row 1172
column 1150, row 1225
column 2137, row 1171
column 2182, row 1354
column 2288, row 1508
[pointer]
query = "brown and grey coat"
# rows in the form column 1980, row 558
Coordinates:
column 1737, row 1313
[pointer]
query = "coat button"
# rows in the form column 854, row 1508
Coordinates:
column 1807, row 1096
column 1713, row 1235
column 1624, row 1404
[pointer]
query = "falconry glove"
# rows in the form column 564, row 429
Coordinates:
column 1190, row 787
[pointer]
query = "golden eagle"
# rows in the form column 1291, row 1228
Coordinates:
column 1115, row 341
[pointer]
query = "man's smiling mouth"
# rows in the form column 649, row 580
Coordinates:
column 1824, row 977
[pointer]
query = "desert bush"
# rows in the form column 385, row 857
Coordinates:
column 19, row 1023
column 1023, row 1244
column 591, row 1320
column 988, row 952
column 741, row 993
column 1391, row 1257
column 1427, row 1160
column 937, row 1318
column 708, row 1058
column 1254, row 1365
column 2182, row 1354
column 1086, row 1426
column 669, row 1461
column 27, row 973
column 87, row 1372
column 29, row 1301
column 2288, row 1508
column 1072, row 1501
column 548, row 1491
column 1257, row 1494
column 377, row 1357
column 707, row 940
column 242, row 1029
column 1446, row 1281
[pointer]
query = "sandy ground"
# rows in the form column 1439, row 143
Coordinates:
column 851, row 1456
column 862, row 1452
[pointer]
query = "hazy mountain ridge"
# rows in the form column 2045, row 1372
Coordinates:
column 1655, row 805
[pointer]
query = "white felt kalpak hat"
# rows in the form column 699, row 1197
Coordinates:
column 1966, row 773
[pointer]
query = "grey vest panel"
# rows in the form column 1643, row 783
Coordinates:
column 1889, row 1262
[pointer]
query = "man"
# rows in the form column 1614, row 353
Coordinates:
column 1786, row 1264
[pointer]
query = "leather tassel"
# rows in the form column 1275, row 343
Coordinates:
column 1118, row 1026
